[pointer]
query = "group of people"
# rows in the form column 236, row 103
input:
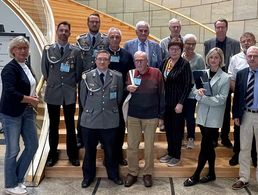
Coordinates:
column 158, row 84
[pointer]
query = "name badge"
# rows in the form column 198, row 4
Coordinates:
column 115, row 58
column 112, row 95
column 137, row 81
column 64, row 67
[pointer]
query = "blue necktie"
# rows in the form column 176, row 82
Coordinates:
column 142, row 44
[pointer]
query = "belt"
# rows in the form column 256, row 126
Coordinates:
column 252, row 111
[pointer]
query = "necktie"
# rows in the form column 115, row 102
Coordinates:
column 142, row 44
column 62, row 51
column 102, row 77
column 93, row 41
column 250, row 90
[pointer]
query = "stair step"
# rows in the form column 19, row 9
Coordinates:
column 160, row 149
column 63, row 168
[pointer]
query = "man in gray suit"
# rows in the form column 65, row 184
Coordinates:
column 229, row 47
column 61, row 68
column 101, row 92
column 90, row 43
column 174, row 26
column 151, row 48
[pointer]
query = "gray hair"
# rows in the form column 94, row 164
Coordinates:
column 218, row 51
column 19, row 40
column 142, row 23
column 174, row 20
column 114, row 29
column 252, row 48
column 189, row 36
column 141, row 53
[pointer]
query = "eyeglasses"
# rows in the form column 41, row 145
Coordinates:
column 191, row 44
column 175, row 49
column 22, row 48
column 102, row 59
column 139, row 61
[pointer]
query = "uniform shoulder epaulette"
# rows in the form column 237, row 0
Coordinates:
column 46, row 47
column 103, row 34
column 81, row 35
column 84, row 73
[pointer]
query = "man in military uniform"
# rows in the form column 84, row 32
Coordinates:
column 101, row 94
column 61, row 67
column 121, row 61
column 90, row 43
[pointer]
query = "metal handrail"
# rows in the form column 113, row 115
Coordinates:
column 181, row 15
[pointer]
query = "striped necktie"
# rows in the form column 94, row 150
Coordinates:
column 249, row 98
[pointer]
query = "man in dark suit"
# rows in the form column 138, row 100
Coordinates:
column 229, row 47
column 61, row 68
column 245, row 114
column 237, row 63
column 151, row 48
column 90, row 43
column 121, row 61
column 101, row 94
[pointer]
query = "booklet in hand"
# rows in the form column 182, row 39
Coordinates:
column 201, row 80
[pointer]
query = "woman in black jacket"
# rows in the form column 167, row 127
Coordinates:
column 177, row 75
column 17, row 115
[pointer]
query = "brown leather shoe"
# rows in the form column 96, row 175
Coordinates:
column 147, row 180
column 239, row 185
column 130, row 180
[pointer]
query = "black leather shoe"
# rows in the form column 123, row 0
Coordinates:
column 191, row 181
column 130, row 180
column 147, row 180
column 86, row 183
column 207, row 179
column 51, row 162
column 123, row 162
column 117, row 181
column 233, row 161
column 75, row 162
column 227, row 143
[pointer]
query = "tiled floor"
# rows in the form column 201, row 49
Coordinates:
column 102, row 186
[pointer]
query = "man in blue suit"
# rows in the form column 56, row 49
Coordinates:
column 245, row 114
column 142, row 43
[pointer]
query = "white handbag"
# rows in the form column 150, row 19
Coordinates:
column 126, row 102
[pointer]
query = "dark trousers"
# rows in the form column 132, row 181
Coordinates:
column 188, row 111
column 174, row 125
column 120, row 137
column 236, row 148
column 54, row 117
column 226, row 121
column 91, row 138
column 207, row 152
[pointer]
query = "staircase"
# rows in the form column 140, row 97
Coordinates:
column 64, row 10
column 189, row 159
